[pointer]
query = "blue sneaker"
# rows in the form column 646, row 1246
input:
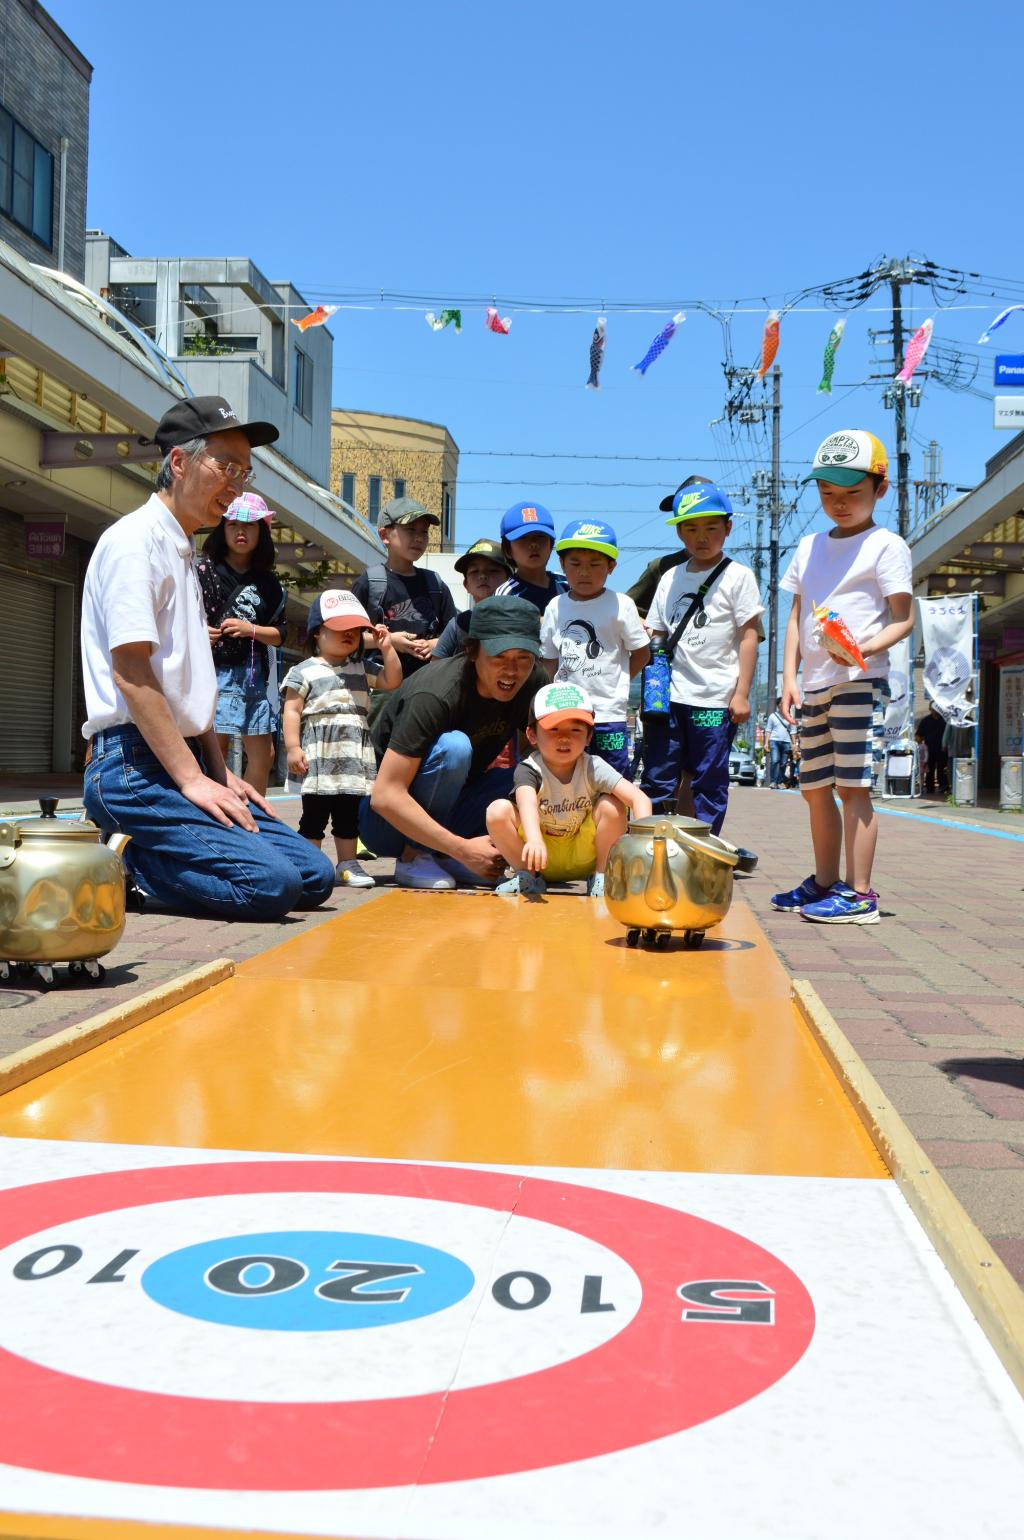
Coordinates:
column 809, row 892
column 844, row 906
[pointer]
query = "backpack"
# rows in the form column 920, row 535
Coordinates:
column 377, row 587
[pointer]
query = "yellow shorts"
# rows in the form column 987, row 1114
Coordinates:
column 570, row 856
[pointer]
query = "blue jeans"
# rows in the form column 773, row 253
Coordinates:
column 696, row 739
column 185, row 858
column 443, row 788
column 778, row 753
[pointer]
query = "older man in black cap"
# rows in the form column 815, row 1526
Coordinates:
column 202, row 838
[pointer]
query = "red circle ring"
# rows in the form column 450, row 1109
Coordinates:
column 656, row 1377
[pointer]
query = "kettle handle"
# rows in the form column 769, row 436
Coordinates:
column 8, row 844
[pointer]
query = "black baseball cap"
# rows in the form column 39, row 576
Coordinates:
column 500, row 625
column 691, row 481
column 201, row 416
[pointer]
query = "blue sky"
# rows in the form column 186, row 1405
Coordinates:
column 539, row 152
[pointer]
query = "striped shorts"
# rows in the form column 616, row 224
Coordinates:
column 836, row 735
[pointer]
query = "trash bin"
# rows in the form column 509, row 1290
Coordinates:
column 965, row 792
column 1011, row 781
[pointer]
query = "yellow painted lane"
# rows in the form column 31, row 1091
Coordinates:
column 460, row 1027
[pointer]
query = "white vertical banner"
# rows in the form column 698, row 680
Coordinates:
column 899, row 708
column 1011, row 709
column 947, row 631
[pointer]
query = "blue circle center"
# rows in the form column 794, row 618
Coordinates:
column 307, row 1280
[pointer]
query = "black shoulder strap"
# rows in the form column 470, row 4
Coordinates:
column 696, row 603
column 377, row 587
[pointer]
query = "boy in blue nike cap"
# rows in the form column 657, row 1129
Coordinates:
column 593, row 637
column 527, row 539
column 705, row 612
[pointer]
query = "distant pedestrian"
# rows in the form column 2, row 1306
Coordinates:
column 202, row 838
column 245, row 607
column 483, row 569
column 331, row 761
column 929, row 732
column 527, row 540
column 864, row 574
column 780, row 745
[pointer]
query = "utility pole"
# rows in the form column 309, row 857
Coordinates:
column 899, row 274
column 775, row 513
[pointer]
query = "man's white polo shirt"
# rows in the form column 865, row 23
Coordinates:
column 141, row 586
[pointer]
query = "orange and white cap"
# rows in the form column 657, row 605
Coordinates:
column 338, row 610
column 846, row 457
column 563, row 703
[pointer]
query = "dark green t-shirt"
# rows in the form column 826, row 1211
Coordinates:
column 434, row 701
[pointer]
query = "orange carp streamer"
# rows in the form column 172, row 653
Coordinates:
column 769, row 342
column 316, row 317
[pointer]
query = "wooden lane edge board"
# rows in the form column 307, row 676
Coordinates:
column 980, row 1274
column 25, row 1064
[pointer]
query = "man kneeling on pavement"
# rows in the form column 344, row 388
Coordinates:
column 201, row 838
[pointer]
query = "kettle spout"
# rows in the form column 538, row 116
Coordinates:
column 117, row 842
column 660, row 892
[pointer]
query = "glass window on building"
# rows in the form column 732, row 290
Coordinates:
column 26, row 181
column 348, row 488
column 303, row 396
column 447, row 524
column 399, row 487
column 374, row 505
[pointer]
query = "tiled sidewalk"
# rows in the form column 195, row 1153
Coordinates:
column 932, row 997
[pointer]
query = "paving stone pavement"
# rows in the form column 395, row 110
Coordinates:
column 932, row 997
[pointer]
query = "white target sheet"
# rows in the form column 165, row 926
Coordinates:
column 439, row 1352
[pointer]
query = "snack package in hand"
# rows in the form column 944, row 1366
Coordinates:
column 837, row 638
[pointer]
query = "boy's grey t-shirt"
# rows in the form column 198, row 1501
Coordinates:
column 565, row 805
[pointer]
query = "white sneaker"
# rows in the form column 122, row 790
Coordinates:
column 351, row 875
column 422, row 872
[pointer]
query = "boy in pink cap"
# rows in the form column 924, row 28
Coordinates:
column 567, row 807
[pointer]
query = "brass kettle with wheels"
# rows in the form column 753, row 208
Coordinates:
column 62, row 894
column 669, row 874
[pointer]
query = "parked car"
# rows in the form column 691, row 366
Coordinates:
column 742, row 767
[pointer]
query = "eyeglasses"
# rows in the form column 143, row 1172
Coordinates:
column 243, row 475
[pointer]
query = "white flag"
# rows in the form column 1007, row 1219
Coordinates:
column 899, row 708
column 947, row 627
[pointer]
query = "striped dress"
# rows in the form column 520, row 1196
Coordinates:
column 335, row 728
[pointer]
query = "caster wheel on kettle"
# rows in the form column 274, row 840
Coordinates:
column 632, row 938
column 7, row 972
column 662, row 940
column 46, row 978
column 649, row 937
column 693, row 940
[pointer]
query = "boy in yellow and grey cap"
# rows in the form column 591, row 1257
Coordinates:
column 863, row 574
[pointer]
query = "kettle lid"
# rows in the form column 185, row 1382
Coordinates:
column 49, row 826
column 677, row 820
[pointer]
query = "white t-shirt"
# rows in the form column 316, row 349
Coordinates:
column 564, row 806
column 592, row 640
column 855, row 575
column 141, row 586
column 706, row 662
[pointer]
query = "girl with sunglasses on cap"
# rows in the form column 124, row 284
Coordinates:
column 331, row 759
column 245, row 607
